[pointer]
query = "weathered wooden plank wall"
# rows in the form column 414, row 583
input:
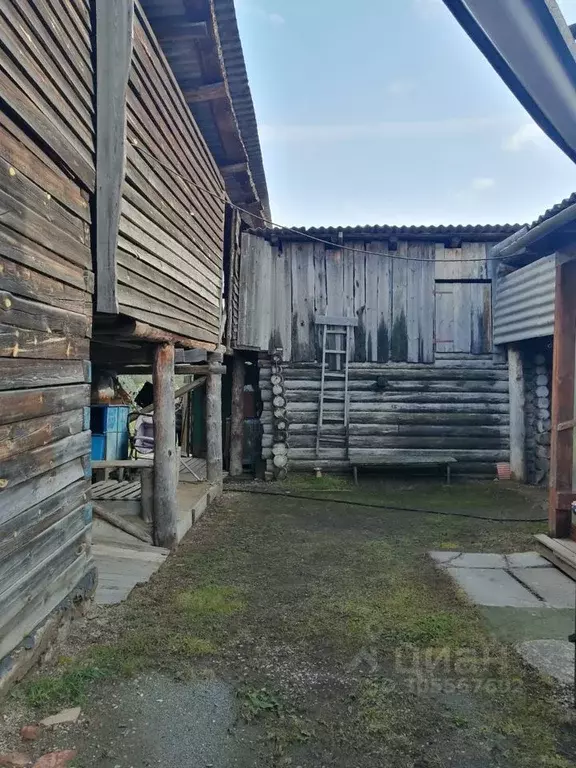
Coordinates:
column 46, row 282
column 403, row 299
column 170, row 254
column 458, row 406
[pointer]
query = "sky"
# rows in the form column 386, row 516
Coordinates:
column 385, row 112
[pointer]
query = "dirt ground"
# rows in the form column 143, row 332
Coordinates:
column 309, row 632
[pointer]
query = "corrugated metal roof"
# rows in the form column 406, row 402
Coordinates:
column 524, row 302
column 474, row 231
column 241, row 95
column 566, row 203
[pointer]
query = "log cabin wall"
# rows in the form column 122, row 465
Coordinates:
column 170, row 246
column 424, row 324
column 46, row 281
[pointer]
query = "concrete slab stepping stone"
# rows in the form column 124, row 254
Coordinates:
column 554, row 658
column 553, row 586
column 493, row 586
column 527, row 560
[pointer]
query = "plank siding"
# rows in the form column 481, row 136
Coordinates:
column 397, row 297
column 171, row 232
column 46, row 285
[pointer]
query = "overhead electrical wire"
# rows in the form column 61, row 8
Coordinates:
column 224, row 197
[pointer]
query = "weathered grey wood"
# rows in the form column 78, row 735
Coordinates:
column 237, row 420
column 147, row 495
column 334, row 320
column 165, row 503
column 23, row 404
column 122, row 463
column 23, row 436
column 24, row 466
column 114, row 35
column 22, row 374
column 517, row 424
column 214, row 421
column 119, row 522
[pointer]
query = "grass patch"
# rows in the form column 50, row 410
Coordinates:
column 208, row 602
column 61, row 690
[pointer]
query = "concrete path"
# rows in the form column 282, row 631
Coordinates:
column 525, row 599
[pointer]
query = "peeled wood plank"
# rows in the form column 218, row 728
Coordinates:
column 162, row 67
column 151, row 149
column 135, row 240
column 22, row 374
column 14, row 310
column 24, row 404
column 303, row 327
column 26, row 552
column 50, row 105
column 198, row 309
column 32, row 195
column 182, row 138
column 132, row 297
column 161, row 215
column 47, row 595
column 54, row 37
column 77, row 34
column 155, row 184
column 36, row 519
column 20, row 152
column 33, row 491
column 167, row 285
column 24, row 436
column 47, row 131
column 27, row 253
column 399, row 328
column 40, row 68
column 19, row 217
column 178, row 327
column 20, row 343
column 41, row 460
column 211, row 269
column 33, row 597
column 22, row 281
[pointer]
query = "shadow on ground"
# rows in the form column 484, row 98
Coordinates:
column 293, row 632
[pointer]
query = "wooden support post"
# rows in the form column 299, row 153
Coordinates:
column 214, row 419
column 237, row 420
column 165, row 479
column 517, row 425
column 561, row 449
column 147, row 494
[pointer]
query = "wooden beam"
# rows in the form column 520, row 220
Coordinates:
column 165, row 468
column 517, row 425
column 179, row 392
column 228, row 170
column 237, row 420
column 114, row 36
column 214, row 420
column 181, row 31
column 206, row 93
column 561, row 449
column 147, row 332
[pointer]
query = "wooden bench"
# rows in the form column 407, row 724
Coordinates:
column 145, row 485
column 401, row 457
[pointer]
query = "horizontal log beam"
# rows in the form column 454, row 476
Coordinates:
column 206, row 93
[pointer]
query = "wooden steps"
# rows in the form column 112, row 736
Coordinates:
column 561, row 552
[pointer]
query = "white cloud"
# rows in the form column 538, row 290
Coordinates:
column 480, row 183
column 528, row 135
column 276, row 19
column 458, row 126
column 400, row 87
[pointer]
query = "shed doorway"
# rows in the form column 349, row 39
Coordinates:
column 463, row 316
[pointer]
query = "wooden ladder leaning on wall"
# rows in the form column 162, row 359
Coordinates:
column 336, row 343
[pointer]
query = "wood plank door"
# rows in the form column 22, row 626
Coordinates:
column 463, row 316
